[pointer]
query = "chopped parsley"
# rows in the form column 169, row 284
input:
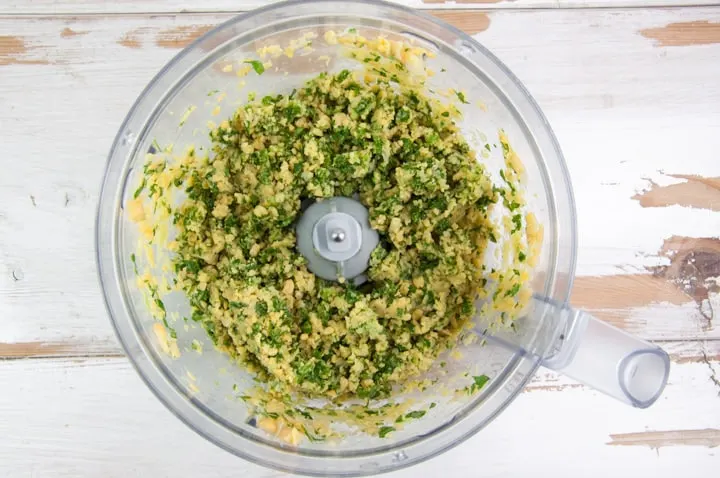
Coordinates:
column 478, row 383
column 257, row 66
column 415, row 414
column 384, row 430
column 461, row 96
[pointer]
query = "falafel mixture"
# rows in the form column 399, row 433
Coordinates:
column 235, row 251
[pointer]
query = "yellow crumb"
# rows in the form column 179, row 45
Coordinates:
column 135, row 210
column 267, row 424
column 167, row 344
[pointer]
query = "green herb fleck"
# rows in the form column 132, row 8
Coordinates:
column 478, row 383
column 140, row 188
column 517, row 222
column 257, row 66
column 311, row 437
column 160, row 304
column 415, row 414
column 261, row 308
column 513, row 291
column 384, row 430
column 402, row 115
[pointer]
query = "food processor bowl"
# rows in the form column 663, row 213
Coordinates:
column 203, row 387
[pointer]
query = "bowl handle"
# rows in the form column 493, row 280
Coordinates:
column 588, row 350
column 606, row 358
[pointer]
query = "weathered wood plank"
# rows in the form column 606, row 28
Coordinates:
column 95, row 417
column 53, row 7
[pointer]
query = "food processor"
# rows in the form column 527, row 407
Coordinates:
column 204, row 387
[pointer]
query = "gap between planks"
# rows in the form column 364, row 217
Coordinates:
column 156, row 7
column 59, row 350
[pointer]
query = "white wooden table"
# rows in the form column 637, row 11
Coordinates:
column 632, row 90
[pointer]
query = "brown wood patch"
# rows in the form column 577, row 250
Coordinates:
column 709, row 437
column 9, row 351
column 174, row 38
column 132, row 38
column 33, row 349
column 469, row 21
column 612, row 298
column 14, row 50
column 701, row 32
column 68, row 32
column 180, row 37
column 694, row 263
column 697, row 192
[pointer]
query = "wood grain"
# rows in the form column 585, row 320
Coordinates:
column 131, row 39
column 708, row 437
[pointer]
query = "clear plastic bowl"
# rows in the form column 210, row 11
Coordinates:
column 209, row 404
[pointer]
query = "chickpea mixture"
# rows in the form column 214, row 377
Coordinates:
column 228, row 218
column 427, row 196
